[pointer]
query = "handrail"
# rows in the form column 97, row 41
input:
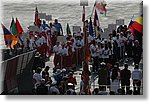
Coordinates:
column 17, row 56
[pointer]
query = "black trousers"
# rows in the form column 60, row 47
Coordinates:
column 95, row 63
column 125, row 84
column 137, row 85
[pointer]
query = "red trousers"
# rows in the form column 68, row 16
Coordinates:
column 56, row 60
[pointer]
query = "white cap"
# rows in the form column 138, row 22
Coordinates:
column 70, row 84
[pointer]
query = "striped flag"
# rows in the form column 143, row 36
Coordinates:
column 7, row 33
column 137, row 28
column 19, row 28
column 138, row 24
column 96, row 24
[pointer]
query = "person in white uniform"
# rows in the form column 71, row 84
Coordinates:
column 93, row 50
column 137, row 79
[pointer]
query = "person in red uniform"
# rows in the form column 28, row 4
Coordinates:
column 69, row 57
column 72, row 79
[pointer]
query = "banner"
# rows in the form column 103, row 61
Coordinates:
column 48, row 17
column 120, row 22
column 76, row 29
column 34, row 28
column 42, row 15
column 83, row 2
column 111, row 27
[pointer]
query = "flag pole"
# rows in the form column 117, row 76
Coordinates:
column 93, row 9
column 132, row 17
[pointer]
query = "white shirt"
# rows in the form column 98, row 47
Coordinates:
column 118, row 42
column 38, row 43
column 73, row 47
column 81, row 86
column 44, row 39
column 63, row 51
column 93, row 50
column 122, row 40
column 31, row 43
column 54, row 89
column 114, row 38
column 90, row 38
column 130, row 37
column 99, row 52
column 56, row 49
column 105, row 53
column 38, row 78
column 136, row 74
column 78, row 43
column 41, row 40
column 53, row 29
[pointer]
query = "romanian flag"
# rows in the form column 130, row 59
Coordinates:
column 7, row 34
column 19, row 28
column 68, row 29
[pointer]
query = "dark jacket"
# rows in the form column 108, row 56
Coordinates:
column 125, row 75
column 103, row 74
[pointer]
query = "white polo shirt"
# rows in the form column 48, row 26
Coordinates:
column 56, row 49
column 122, row 40
column 63, row 51
column 93, row 50
column 137, row 74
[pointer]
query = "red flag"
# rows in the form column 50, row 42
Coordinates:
column 83, row 14
column 100, row 5
column 19, row 28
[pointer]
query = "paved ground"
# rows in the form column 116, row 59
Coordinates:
column 93, row 77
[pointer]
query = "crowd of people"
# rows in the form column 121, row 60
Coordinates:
column 42, row 40
column 105, row 55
